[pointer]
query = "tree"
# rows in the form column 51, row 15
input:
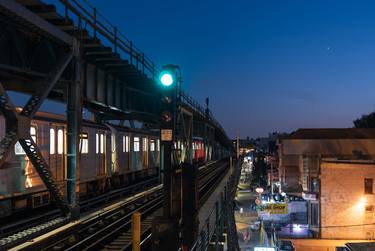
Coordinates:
column 366, row 121
column 259, row 173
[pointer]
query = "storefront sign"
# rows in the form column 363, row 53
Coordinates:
column 274, row 208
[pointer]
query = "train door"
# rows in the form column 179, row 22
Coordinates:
column 114, row 160
column 57, row 151
column 100, row 160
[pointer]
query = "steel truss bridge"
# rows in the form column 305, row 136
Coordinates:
column 70, row 53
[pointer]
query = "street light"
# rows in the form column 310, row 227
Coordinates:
column 259, row 190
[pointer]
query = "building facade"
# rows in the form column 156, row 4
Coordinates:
column 347, row 199
column 308, row 166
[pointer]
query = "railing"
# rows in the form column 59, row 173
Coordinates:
column 214, row 224
column 187, row 99
column 87, row 16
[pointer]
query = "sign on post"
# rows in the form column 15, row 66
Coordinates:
column 166, row 134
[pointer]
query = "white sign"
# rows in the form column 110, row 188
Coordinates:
column 309, row 196
column 263, row 249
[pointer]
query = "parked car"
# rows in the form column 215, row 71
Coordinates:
column 255, row 225
column 285, row 245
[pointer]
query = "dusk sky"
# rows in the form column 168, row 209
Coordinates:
column 266, row 65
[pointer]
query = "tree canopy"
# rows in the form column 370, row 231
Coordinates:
column 366, row 121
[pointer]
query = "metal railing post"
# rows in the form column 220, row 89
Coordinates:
column 136, row 231
column 115, row 42
column 217, row 225
column 95, row 25
column 131, row 52
column 66, row 11
column 143, row 63
column 208, row 231
column 137, row 60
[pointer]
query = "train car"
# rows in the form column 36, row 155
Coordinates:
column 198, row 149
column 110, row 156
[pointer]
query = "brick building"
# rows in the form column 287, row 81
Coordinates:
column 316, row 164
column 347, row 199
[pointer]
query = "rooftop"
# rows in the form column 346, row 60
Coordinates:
column 332, row 133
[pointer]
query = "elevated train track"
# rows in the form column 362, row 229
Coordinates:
column 69, row 52
column 108, row 228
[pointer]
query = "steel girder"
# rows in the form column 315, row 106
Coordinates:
column 18, row 129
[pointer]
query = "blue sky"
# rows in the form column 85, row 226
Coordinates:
column 266, row 65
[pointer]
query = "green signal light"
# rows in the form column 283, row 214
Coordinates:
column 166, row 78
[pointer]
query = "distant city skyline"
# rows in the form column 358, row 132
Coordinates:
column 265, row 65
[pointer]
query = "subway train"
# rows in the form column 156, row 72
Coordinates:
column 110, row 157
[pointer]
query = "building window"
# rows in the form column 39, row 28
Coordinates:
column 136, row 144
column 152, row 145
column 314, row 214
column 84, row 143
column 52, row 141
column 60, row 141
column 145, row 144
column 368, row 186
column 18, row 150
column 315, row 185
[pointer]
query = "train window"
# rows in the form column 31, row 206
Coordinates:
column 18, row 150
column 84, row 143
column 113, row 143
column 136, row 144
column 33, row 133
column 101, row 143
column 60, row 141
column 144, row 147
column 158, row 146
column 97, row 143
column 152, row 145
column 125, row 143
column 52, row 141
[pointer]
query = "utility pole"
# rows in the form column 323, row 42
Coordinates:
column 238, row 145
